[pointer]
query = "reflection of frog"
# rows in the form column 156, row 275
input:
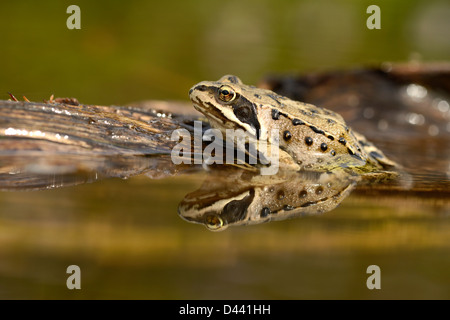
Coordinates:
column 310, row 137
column 240, row 197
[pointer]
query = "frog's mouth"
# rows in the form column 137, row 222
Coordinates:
column 210, row 112
column 217, row 118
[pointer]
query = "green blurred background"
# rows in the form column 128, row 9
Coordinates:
column 157, row 49
column 125, row 234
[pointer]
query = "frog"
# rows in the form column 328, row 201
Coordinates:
column 309, row 137
column 239, row 197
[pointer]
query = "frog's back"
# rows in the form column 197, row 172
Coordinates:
column 317, row 138
column 334, row 144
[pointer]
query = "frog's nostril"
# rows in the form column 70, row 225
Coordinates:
column 200, row 88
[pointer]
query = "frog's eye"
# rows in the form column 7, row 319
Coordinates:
column 214, row 222
column 226, row 94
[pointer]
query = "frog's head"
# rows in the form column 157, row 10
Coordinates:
column 227, row 104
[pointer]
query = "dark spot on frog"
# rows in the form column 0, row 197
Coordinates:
column 275, row 114
column 376, row 155
column 287, row 135
column 297, row 122
column 288, row 207
column 233, row 79
column 308, row 141
column 316, row 130
column 363, row 143
column 323, row 146
column 331, row 121
column 257, row 96
column 331, row 138
column 245, row 111
column 264, row 212
column 303, row 194
column 280, row 195
column 342, row 141
column 307, row 204
column 274, row 97
column 333, row 153
column 350, row 151
column 201, row 88
column 235, row 210
column 308, row 114
column 319, row 190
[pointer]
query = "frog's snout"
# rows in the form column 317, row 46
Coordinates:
column 197, row 91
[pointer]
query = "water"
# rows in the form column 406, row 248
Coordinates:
column 129, row 242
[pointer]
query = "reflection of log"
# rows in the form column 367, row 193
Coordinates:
column 79, row 143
